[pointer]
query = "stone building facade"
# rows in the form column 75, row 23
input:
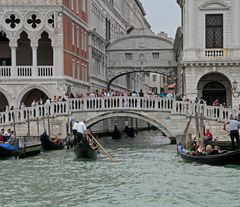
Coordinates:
column 43, row 49
column 144, row 55
column 108, row 21
column 208, row 50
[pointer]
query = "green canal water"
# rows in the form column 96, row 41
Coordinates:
column 147, row 173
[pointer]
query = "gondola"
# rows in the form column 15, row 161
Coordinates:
column 84, row 150
column 224, row 158
column 116, row 134
column 48, row 144
column 8, row 150
column 129, row 131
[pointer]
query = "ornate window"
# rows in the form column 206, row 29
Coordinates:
column 34, row 21
column 155, row 55
column 108, row 29
column 51, row 20
column 128, row 56
column 12, row 21
column 214, row 30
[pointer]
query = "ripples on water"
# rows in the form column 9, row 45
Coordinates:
column 147, row 173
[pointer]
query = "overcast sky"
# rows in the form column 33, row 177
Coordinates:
column 163, row 15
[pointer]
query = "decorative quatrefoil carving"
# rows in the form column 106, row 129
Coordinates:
column 34, row 21
column 12, row 21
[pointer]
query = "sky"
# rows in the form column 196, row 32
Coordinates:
column 163, row 15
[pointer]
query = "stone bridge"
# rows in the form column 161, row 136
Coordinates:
column 168, row 115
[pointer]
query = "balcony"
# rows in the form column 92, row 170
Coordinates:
column 216, row 52
column 26, row 71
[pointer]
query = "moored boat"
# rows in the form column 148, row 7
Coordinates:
column 223, row 158
column 49, row 144
column 8, row 150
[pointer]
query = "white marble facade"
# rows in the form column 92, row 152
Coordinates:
column 15, row 20
column 206, row 68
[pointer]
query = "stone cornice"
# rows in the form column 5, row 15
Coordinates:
column 214, row 5
column 210, row 64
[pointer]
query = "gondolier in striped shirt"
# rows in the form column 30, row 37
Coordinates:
column 233, row 125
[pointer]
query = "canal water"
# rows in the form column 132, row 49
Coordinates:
column 147, row 173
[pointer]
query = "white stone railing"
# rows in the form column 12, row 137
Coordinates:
column 123, row 103
column 26, row 71
column 216, row 52
column 5, row 71
column 45, row 71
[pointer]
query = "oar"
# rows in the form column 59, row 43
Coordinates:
column 224, row 128
column 109, row 156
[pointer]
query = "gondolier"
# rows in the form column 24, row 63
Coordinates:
column 234, row 126
column 74, row 128
column 81, row 129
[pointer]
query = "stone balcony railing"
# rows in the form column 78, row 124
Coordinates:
column 213, row 53
column 26, row 71
column 217, row 52
column 123, row 103
column 29, row 2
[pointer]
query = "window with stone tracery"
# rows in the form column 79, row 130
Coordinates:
column 214, row 30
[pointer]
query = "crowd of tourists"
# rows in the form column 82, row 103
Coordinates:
column 204, row 146
column 99, row 93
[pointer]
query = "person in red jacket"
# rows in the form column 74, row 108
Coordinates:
column 208, row 137
column 1, row 138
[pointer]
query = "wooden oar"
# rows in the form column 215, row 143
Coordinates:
column 109, row 156
column 224, row 128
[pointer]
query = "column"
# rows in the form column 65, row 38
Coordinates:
column 34, row 61
column 191, row 22
column 236, row 25
column 14, row 62
column 58, row 61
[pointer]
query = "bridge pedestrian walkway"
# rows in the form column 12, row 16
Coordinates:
column 121, row 103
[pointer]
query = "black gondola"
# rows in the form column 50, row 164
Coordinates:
column 129, row 131
column 84, row 150
column 116, row 133
column 48, row 144
column 224, row 158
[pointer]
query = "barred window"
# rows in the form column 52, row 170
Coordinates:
column 155, row 55
column 214, row 31
column 128, row 56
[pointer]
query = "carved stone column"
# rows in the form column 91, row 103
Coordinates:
column 14, row 64
column 34, row 61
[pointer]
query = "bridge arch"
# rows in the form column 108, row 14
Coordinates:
column 169, row 72
column 140, row 51
column 213, row 86
column 29, row 88
column 138, row 115
column 4, row 97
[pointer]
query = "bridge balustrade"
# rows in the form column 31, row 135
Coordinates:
column 116, row 103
